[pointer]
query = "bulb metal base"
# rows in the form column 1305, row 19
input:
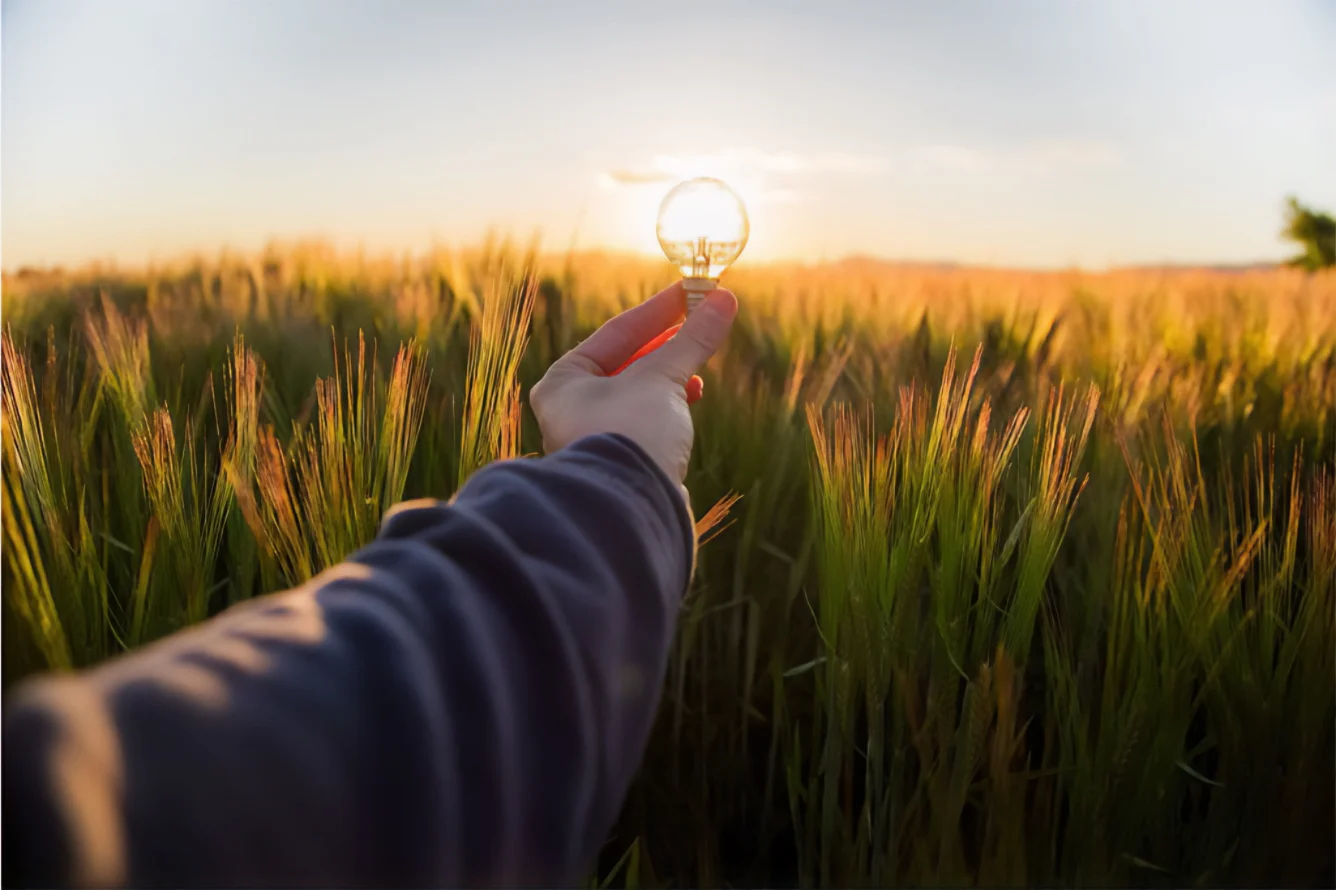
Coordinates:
column 696, row 289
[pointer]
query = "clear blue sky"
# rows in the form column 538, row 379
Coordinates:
column 1028, row 133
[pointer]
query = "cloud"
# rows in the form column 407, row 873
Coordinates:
column 745, row 162
column 772, row 178
column 1042, row 157
column 847, row 163
column 636, row 177
column 771, row 175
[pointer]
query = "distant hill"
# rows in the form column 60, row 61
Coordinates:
column 1206, row 267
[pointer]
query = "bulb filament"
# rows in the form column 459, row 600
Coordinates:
column 700, row 268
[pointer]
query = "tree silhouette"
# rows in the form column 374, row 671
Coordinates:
column 1312, row 230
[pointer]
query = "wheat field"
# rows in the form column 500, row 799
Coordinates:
column 1006, row 577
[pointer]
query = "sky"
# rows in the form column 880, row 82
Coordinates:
column 1045, row 133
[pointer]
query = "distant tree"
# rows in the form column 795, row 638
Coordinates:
column 1315, row 232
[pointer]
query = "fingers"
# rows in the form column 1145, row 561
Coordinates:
column 695, row 389
column 647, row 349
column 613, row 345
column 704, row 331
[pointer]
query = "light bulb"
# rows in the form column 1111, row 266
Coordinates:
column 702, row 228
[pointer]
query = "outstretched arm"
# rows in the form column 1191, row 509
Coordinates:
column 464, row 700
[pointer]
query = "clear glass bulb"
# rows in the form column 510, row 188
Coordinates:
column 702, row 228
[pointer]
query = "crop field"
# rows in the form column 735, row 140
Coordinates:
column 1006, row 577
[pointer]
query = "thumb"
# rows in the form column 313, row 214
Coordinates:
column 700, row 337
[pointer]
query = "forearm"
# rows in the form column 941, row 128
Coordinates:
column 464, row 700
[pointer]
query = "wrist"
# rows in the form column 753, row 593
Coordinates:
column 676, row 497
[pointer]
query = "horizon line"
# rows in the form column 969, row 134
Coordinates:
column 350, row 248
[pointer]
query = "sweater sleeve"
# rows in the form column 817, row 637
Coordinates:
column 463, row 701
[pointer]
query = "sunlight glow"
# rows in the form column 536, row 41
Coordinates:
column 702, row 227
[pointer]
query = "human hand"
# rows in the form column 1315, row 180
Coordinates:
column 646, row 402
